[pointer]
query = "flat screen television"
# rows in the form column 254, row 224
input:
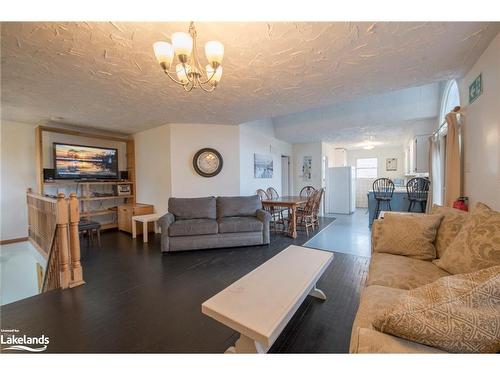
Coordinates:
column 77, row 162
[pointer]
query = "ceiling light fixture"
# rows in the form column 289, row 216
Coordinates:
column 189, row 71
column 368, row 147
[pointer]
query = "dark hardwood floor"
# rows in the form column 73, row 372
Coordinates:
column 138, row 300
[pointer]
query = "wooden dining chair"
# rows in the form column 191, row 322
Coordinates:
column 272, row 193
column 417, row 189
column 262, row 194
column 276, row 213
column 317, row 205
column 305, row 216
column 307, row 191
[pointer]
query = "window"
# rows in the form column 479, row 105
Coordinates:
column 450, row 99
column 366, row 168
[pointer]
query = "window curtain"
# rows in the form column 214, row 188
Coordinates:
column 435, row 175
column 453, row 169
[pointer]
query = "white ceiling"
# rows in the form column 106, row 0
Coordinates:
column 381, row 136
column 386, row 119
column 104, row 75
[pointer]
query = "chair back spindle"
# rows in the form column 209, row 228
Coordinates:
column 262, row 194
column 272, row 193
column 418, row 188
column 306, row 191
column 383, row 188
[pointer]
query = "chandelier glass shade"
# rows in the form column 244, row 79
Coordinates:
column 188, row 71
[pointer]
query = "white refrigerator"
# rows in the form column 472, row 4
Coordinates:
column 341, row 189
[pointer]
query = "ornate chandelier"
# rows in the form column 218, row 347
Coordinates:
column 189, row 71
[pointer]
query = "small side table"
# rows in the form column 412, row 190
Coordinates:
column 145, row 220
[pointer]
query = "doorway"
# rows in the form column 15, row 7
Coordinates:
column 285, row 175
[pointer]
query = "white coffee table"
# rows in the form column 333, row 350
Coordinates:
column 261, row 303
column 145, row 220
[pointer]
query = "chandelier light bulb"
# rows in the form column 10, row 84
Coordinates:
column 181, row 71
column 164, row 54
column 214, row 51
column 187, row 70
column 216, row 77
column 183, row 44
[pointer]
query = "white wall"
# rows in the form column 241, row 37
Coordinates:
column 258, row 137
column 153, row 171
column 482, row 130
column 299, row 151
column 381, row 154
column 364, row 185
column 17, row 166
column 185, row 141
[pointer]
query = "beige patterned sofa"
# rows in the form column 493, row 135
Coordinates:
column 389, row 277
column 426, row 271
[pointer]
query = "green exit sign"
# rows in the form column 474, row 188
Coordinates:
column 475, row 89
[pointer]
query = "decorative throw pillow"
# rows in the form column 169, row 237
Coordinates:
column 376, row 232
column 476, row 246
column 452, row 222
column 458, row 313
column 409, row 235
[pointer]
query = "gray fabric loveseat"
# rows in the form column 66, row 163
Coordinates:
column 209, row 222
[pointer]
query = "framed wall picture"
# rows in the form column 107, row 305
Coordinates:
column 263, row 166
column 391, row 164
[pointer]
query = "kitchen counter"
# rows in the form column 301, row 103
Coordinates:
column 397, row 189
column 399, row 203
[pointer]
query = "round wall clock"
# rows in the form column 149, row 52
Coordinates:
column 207, row 162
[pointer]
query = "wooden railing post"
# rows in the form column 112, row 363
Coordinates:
column 74, row 241
column 63, row 241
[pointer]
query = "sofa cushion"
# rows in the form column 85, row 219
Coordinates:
column 364, row 338
column 375, row 298
column 370, row 341
column 193, row 227
column 458, row 313
column 402, row 272
column 238, row 206
column 452, row 222
column 192, row 208
column 376, row 233
column 477, row 245
column 409, row 235
column 240, row 224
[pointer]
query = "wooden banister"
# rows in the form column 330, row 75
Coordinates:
column 63, row 240
column 74, row 241
column 53, row 230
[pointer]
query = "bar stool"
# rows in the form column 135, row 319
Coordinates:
column 417, row 189
column 383, row 189
column 91, row 228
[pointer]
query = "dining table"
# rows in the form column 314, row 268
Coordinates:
column 291, row 202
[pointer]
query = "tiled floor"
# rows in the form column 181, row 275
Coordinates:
column 348, row 234
column 18, row 271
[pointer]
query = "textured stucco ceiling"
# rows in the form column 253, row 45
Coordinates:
column 385, row 119
column 104, row 74
column 389, row 135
